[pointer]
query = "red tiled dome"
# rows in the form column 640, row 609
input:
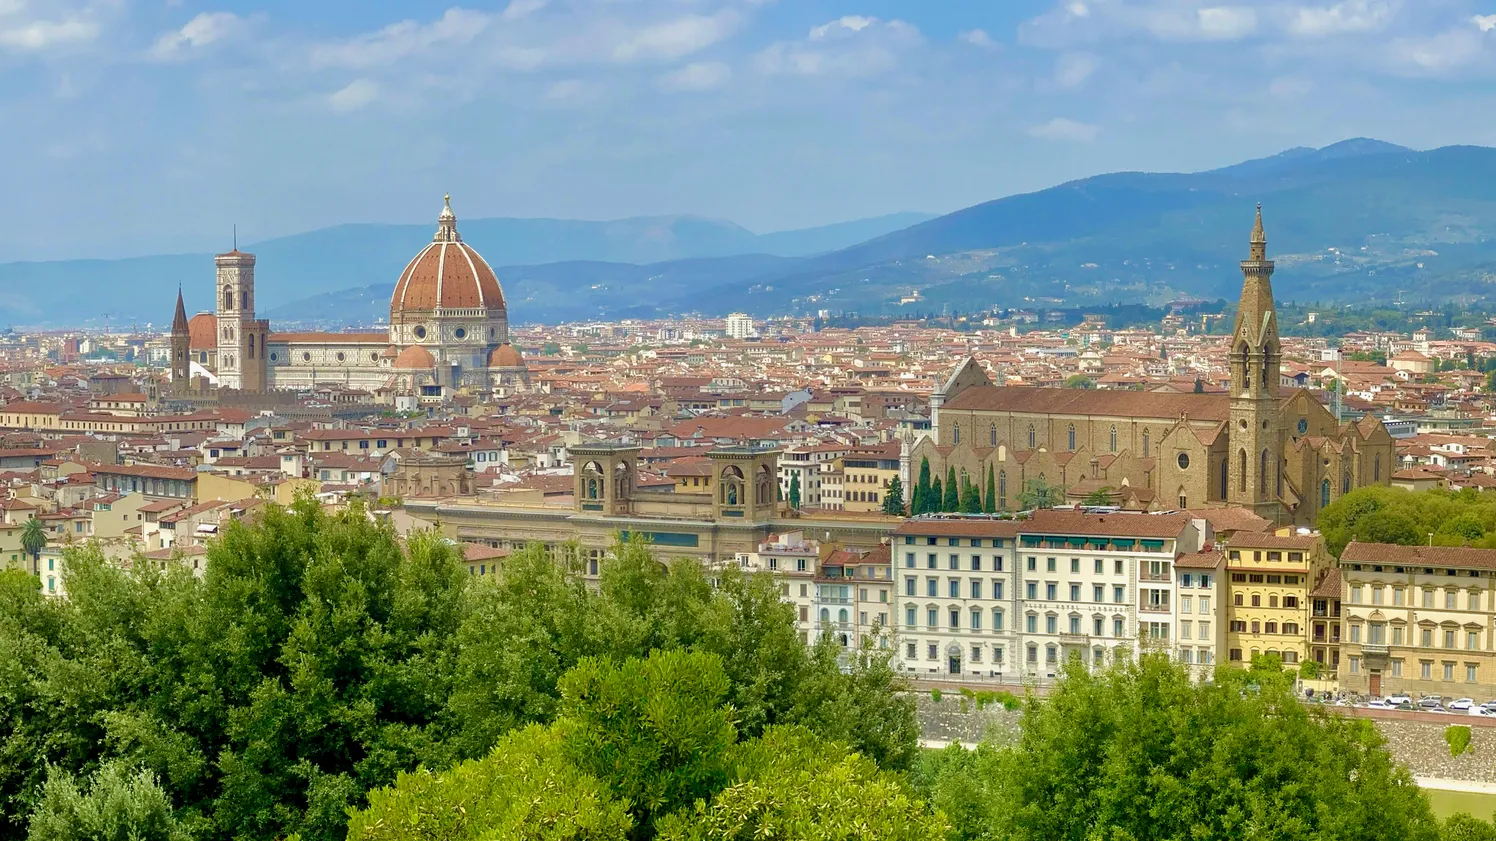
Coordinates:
column 505, row 356
column 415, row 357
column 203, row 331
column 448, row 273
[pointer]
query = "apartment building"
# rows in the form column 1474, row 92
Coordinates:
column 1200, row 585
column 1324, row 620
column 1418, row 619
column 1099, row 586
column 1270, row 579
column 854, row 596
column 956, row 595
column 791, row 559
column 866, row 474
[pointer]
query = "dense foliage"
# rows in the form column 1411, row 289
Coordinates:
column 1142, row 752
column 1393, row 515
column 319, row 658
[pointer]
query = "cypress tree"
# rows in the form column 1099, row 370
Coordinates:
column 989, row 504
column 951, row 501
column 922, row 489
column 933, row 501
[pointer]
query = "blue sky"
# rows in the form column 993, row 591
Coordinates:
column 140, row 126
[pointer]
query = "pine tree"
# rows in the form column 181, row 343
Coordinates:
column 795, row 490
column 951, row 502
column 922, row 489
column 893, row 499
column 989, row 504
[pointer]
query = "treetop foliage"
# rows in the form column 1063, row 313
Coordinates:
column 1394, row 515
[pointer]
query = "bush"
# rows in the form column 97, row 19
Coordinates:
column 1458, row 737
column 935, row 695
column 1309, row 670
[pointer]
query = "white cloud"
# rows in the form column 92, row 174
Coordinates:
column 1289, row 87
column 523, row 8
column 1064, row 129
column 849, row 46
column 25, row 33
column 401, row 40
column 1485, row 23
column 1071, row 70
column 677, row 38
column 207, row 28
column 1074, row 23
column 978, row 38
column 699, row 76
column 566, row 90
column 358, row 93
column 1438, row 54
column 1346, row 16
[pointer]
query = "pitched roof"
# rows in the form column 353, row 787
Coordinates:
column 957, row 527
column 1078, row 401
column 1051, row 521
column 1443, row 556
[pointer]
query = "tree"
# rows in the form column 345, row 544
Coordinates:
column 922, row 489
column 1392, row 515
column 971, row 498
column 1122, row 754
column 117, row 803
column 1079, row 381
column 951, row 501
column 936, row 498
column 1038, row 493
column 525, row 789
column 1100, row 496
column 1199, row 386
column 1462, row 827
column 989, row 502
column 893, row 498
column 795, row 490
column 790, row 784
column 33, row 538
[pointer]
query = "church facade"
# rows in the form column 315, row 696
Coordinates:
column 448, row 333
column 1261, row 446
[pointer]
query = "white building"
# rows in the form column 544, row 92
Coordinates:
column 956, row 595
column 740, row 326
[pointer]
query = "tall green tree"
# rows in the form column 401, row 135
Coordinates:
column 989, row 502
column 33, row 538
column 951, row 501
column 971, row 498
column 794, row 499
column 922, row 489
column 893, row 498
column 936, row 498
column 116, row 803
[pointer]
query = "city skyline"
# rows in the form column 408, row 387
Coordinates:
column 156, row 128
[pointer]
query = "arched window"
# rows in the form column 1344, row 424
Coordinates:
column 1225, row 472
column 1002, row 490
column 992, row 436
column 1267, row 352
column 1031, row 437
column 1241, row 476
column 956, row 434
column 244, row 299
column 1071, row 434
column 1114, row 439
column 841, row 616
column 1345, row 481
column 1145, row 443
column 1324, row 494
column 1376, row 467
column 1262, row 473
column 825, row 616
column 228, row 298
column 251, row 347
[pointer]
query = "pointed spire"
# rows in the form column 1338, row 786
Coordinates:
column 446, row 224
column 1259, row 238
column 179, row 321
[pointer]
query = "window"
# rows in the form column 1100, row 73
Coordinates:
column 1098, row 626
column 930, row 560
column 1033, row 564
column 1448, row 640
column 955, row 618
column 1474, row 600
column 976, row 619
column 1049, row 591
column 1075, row 565
column 1469, row 672
column 1450, row 597
column 911, row 651
column 1100, row 568
column 1427, row 638
column 1425, row 669
column 1472, row 640
column 1355, row 665
column 1256, row 627
column 930, row 585
column 1449, row 671
column 1204, row 630
column 909, row 586
column 976, row 588
column 1117, row 567
column 1119, row 628
column 976, row 563
column 955, row 561
column 1237, row 599
column 1270, row 628
column 1051, row 624
column 1075, row 625
column 1256, row 600
column 1071, row 438
column 1428, row 597
column 1031, row 624
column 954, row 588
column 1186, row 604
column 1031, row 590
column 909, row 616
column 1049, row 565
column 1205, row 604
column 1098, row 593
column 909, row 560
column 933, row 651
column 1397, row 635
column 1355, row 633
column 1051, row 655
column 1114, row 439
column 1074, row 592
column 997, row 619
column 1186, row 630
column 976, row 654
column 932, row 617
column 1033, row 650
column 1397, row 668
column 1376, row 595
column 997, row 590
column 1119, row 594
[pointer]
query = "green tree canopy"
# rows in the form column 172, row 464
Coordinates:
column 950, row 501
column 794, row 498
column 117, row 804
column 1394, row 515
column 893, row 498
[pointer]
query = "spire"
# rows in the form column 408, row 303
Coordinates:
column 446, row 224
column 179, row 321
column 1259, row 238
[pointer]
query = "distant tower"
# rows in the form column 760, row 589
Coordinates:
column 241, row 339
column 1255, row 474
column 181, row 346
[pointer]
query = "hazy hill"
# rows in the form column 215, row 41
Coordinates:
column 348, row 257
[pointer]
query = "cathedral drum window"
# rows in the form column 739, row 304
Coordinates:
column 306, row 357
column 274, row 356
column 341, row 357
column 459, row 333
column 420, row 332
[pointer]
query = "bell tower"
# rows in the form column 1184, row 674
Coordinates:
column 1255, row 474
column 241, row 338
column 181, row 350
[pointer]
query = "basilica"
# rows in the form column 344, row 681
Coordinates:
column 1261, row 446
column 448, row 334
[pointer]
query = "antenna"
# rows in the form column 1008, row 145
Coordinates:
column 236, row 236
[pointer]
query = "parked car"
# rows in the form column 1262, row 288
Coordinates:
column 1379, row 704
column 1433, row 704
column 1461, row 705
column 1406, row 706
column 1488, row 708
column 1395, row 700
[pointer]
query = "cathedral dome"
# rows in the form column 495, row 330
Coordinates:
column 447, row 274
column 415, row 357
column 203, row 331
column 505, row 356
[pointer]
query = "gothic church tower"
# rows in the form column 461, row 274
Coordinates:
column 241, row 339
column 181, row 349
column 1256, row 471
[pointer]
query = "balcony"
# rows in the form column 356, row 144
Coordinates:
column 1150, row 576
column 1372, row 649
column 1153, row 608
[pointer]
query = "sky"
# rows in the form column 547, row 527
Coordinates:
column 146, row 126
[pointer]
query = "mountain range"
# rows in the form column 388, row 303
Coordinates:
column 1358, row 221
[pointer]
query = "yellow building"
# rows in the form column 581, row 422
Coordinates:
column 1269, row 580
column 866, row 474
column 1418, row 619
